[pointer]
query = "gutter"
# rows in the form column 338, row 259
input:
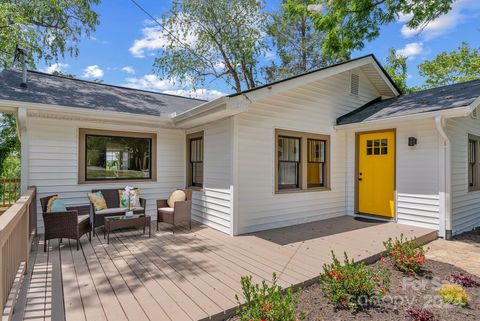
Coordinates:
column 446, row 176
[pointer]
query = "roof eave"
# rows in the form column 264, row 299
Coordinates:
column 447, row 113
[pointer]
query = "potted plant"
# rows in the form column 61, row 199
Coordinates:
column 127, row 195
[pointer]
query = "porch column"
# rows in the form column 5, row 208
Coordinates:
column 22, row 125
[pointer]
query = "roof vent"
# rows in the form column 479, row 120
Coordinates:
column 354, row 84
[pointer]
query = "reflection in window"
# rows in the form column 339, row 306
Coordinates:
column 114, row 157
column 316, row 163
column 288, row 162
column 196, row 161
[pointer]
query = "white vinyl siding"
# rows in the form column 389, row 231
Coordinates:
column 54, row 153
column 465, row 204
column 312, row 108
column 212, row 204
column 416, row 170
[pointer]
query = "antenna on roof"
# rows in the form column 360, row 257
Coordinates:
column 21, row 55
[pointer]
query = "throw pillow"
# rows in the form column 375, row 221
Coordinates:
column 55, row 205
column 176, row 196
column 97, row 200
column 124, row 198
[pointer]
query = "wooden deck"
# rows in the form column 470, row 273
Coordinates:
column 189, row 275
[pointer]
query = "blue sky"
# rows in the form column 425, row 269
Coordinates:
column 122, row 49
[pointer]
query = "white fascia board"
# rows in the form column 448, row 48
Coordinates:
column 384, row 77
column 475, row 104
column 84, row 112
column 448, row 113
column 201, row 109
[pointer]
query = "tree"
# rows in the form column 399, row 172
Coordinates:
column 396, row 67
column 9, row 143
column 349, row 23
column 63, row 74
column 219, row 39
column 46, row 29
column 446, row 68
column 298, row 44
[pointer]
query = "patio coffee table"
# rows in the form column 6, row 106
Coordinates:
column 113, row 223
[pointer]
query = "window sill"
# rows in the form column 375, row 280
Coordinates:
column 298, row 190
column 120, row 181
column 195, row 188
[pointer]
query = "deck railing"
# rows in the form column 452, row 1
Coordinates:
column 17, row 227
column 9, row 191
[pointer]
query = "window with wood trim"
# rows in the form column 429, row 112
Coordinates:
column 302, row 161
column 473, row 163
column 116, row 156
column 195, row 160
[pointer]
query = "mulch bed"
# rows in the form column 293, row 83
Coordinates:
column 405, row 293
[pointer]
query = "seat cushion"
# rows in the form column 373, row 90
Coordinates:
column 97, row 200
column 111, row 210
column 83, row 218
column 167, row 210
column 176, row 196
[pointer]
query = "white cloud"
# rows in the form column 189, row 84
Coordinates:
column 93, row 71
column 55, row 67
column 411, row 50
column 201, row 93
column 155, row 38
column 170, row 86
column 128, row 70
column 443, row 24
column 150, row 82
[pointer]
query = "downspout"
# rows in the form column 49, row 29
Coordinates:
column 440, row 125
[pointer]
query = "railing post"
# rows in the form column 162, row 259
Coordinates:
column 2, row 277
column 27, row 235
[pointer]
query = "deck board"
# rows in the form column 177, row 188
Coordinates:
column 186, row 275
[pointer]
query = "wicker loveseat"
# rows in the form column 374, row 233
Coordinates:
column 71, row 224
column 113, row 207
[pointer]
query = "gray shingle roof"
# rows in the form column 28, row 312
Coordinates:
column 56, row 90
column 440, row 98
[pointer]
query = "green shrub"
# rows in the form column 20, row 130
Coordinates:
column 408, row 256
column 267, row 303
column 353, row 285
column 454, row 294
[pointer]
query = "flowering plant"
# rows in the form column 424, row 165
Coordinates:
column 353, row 285
column 408, row 256
column 465, row 280
column 420, row 315
column 126, row 197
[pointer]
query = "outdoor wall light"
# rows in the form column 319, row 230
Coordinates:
column 412, row 141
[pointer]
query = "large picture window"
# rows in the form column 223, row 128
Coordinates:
column 195, row 160
column 473, row 163
column 302, row 161
column 116, row 156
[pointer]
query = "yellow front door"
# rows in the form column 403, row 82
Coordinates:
column 376, row 173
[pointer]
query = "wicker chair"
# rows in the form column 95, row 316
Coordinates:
column 180, row 214
column 113, row 202
column 71, row 224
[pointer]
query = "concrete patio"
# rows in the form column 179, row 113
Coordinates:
column 189, row 275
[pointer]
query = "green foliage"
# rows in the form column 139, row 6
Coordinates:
column 63, row 74
column 408, row 256
column 9, row 143
column 267, row 303
column 219, row 39
column 349, row 23
column 446, row 68
column 353, row 285
column 454, row 294
column 298, row 44
column 46, row 29
column 396, row 67
column 11, row 166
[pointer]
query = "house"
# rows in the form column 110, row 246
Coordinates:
column 340, row 140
